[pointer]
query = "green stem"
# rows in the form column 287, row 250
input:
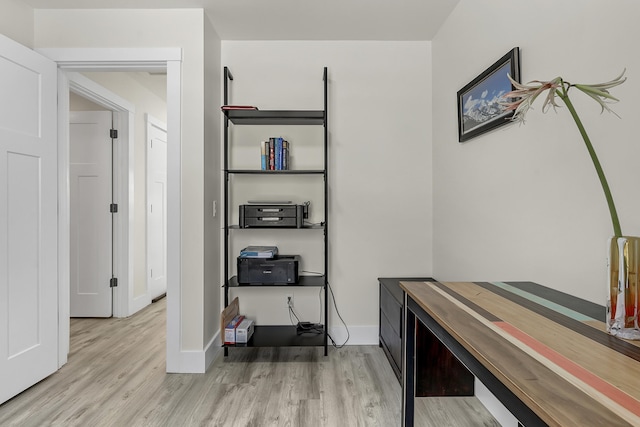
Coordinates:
column 596, row 163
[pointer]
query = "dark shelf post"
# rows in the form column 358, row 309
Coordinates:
column 326, row 215
column 227, row 78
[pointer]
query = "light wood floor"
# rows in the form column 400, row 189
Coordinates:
column 116, row 377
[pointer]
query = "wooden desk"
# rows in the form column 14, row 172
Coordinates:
column 544, row 354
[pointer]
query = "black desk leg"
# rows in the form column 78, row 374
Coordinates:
column 408, row 366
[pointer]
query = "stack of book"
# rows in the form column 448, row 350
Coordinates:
column 259, row 252
column 274, row 154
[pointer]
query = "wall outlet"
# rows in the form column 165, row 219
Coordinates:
column 289, row 300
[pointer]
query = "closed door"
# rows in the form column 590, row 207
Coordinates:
column 90, row 187
column 156, row 208
column 28, row 218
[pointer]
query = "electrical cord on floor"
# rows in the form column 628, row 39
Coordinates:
column 304, row 327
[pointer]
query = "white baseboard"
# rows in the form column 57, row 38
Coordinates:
column 358, row 335
column 138, row 303
column 197, row 362
column 212, row 350
column 188, row 362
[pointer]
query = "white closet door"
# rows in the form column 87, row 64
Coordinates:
column 28, row 218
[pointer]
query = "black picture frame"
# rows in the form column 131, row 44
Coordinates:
column 478, row 107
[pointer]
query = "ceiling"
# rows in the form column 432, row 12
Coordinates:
column 297, row 19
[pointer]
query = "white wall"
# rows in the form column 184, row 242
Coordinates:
column 524, row 202
column 16, row 21
column 78, row 103
column 379, row 163
column 212, row 177
column 157, row 28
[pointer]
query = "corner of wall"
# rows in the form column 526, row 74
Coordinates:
column 212, row 184
column 17, row 22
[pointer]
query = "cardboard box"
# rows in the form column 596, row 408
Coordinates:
column 230, row 329
column 227, row 315
column 244, row 331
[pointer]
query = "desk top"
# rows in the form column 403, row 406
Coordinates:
column 550, row 349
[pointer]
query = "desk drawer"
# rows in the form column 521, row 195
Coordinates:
column 392, row 309
column 392, row 341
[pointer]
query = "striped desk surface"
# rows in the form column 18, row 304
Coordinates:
column 550, row 349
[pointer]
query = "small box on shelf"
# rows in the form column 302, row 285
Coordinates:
column 244, row 331
column 231, row 328
column 227, row 316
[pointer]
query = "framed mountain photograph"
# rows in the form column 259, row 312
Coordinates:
column 479, row 108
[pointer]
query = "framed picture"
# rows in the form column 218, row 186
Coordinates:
column 479, row 110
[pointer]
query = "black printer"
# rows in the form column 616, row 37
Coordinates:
column 280, row 269
column 273, row 215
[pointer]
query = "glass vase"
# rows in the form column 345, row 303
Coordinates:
column 622, row 292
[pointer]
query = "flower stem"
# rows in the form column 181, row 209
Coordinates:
column 596, row 163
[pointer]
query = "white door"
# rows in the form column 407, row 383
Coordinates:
column 28, row 218
column 156, row 208
column 90, row 171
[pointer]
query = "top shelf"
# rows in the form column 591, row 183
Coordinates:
column 275, row 117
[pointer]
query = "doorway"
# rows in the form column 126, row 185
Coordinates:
column 126, row 59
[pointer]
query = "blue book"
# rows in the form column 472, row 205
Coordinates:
column 278, row 153
column 263, row 155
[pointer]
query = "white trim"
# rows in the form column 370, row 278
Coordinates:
column 127, row 59
column 150, row 123
column 358, row 335
column 175, row 357
column 212, row 350
column 91, row 90
column 108, row 59
column 138, row 303
column 64, row 227
column 190, row 362
column 197, row 362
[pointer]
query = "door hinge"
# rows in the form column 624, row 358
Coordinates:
column 113, row 282
column 113, row 208
column 113, row 133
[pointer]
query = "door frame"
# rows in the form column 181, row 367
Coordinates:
column 150, row 122
column 124, row 120
column 124, row 59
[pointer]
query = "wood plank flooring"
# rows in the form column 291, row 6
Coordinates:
column 116, row 377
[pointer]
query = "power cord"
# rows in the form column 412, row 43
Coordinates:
column 316, row 328
column 303, row 327
column 333, row 297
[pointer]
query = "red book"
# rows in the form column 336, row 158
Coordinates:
column 272, row 154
